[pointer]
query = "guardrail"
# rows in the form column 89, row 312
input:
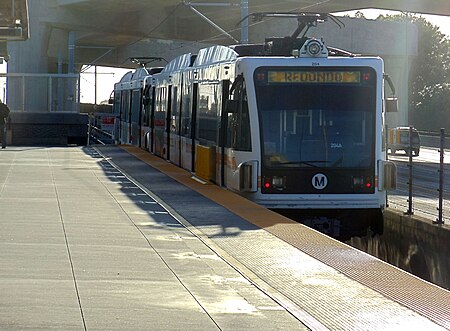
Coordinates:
column 101, row 129
column 35, row 92
column 433, row 140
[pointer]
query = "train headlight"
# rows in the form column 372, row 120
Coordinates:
column 279, row 182
column 362, row 182
column 357, row 181
column 275, row 182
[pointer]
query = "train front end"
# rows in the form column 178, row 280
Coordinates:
column 322, row 159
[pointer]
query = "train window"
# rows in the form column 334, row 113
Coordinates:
column 135, row 105
column 117, row 109
column 239, row 122
column 125, row 107
column 208, row 112
column 185, row 111
column 147, row 107
column 174, row 113
column 160, row 108
column 317, row 125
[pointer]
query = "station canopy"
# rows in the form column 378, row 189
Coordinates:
column 115, row 22
column 101, row 25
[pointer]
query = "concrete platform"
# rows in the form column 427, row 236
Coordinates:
column 82, row 248
column 92, row 241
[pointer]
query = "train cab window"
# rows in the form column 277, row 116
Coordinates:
column 238, row 136
column 300, row 129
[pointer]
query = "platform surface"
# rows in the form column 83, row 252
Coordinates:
column 96, row 239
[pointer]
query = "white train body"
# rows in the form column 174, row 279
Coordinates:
column 290, row 133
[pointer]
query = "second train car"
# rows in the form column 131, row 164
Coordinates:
column 130, row 106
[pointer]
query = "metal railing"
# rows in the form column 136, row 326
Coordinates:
column 101, row 129
column 425, row 187
column 433, row 139
column 43, row 92
column 440, row 220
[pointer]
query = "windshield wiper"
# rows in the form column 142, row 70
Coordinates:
column 308, row 163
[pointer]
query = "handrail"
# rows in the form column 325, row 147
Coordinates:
column 416, row 190
column 432, row 134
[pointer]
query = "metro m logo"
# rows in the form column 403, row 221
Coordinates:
column 319, row 181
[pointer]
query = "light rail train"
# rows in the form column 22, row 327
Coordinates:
column 290, row 124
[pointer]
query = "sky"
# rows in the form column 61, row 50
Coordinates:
column 106, row 77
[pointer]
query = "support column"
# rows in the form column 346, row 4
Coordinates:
column 244, row 23
column 71, row 86
column 29, row 56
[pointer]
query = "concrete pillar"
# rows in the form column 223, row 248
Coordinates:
column 29, row 56
column 244, row 23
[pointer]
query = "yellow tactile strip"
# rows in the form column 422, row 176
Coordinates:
column 421, row 297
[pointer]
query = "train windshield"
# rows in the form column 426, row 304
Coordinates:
column 316, row 118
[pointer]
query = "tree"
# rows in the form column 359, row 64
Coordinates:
column 359, row 14
column 429, row 83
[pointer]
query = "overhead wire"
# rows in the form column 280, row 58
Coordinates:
column 157, row 26
column 147, row 35
column 218, row 36
column 206, row 40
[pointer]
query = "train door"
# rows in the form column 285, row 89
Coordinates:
column 186, row 124
column 144, row 141
column 141, row 121
column 223, row 132
column 207, row 134
column 174, row 147
column 135, row 112
column 117, row 114
column 179, row 107
column 124, row 116
column 128, row 117
column 193, row 124
column 160, row 121
column 166, row 150
column 238, row 138
column 152, row 119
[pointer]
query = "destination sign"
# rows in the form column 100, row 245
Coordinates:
column 321, row 77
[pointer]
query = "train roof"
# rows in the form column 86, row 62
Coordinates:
column 127, row 77
column 272, row 47
column 139, row 73
column 215, row 54
column 154, row 70
column 180, row 62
